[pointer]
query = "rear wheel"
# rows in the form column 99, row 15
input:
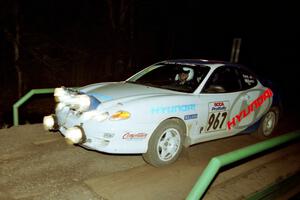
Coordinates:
column 165, row 144
column 268, row 123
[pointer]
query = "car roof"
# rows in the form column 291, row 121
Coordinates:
column 211, row 63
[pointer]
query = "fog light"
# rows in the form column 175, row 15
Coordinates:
column 49, row 122
column 74, row 135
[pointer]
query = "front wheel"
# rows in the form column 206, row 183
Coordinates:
column 165, row 144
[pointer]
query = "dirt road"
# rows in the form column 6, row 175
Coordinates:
column 35, row 164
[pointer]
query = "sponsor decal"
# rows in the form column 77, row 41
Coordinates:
column 134, row 136
column 253, row 105
column 248, row 79
column 192, row 116
column 173, row 109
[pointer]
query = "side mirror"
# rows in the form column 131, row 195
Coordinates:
column 215, row 89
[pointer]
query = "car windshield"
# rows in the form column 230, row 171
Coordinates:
column 173, row 76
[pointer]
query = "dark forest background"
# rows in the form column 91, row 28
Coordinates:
column 50, row 43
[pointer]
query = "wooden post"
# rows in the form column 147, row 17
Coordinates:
column 235, row 51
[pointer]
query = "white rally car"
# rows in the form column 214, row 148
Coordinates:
column 154, row 114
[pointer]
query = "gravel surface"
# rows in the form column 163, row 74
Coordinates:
column 35, row 164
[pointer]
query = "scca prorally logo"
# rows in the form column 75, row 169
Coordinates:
column 218, row 106
column 253, row 105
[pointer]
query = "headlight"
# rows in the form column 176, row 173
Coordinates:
column 120, row 115
column 80, row 102
column 83, row 101
column 95, row 115
column 74, row 99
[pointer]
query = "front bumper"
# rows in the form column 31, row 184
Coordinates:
column 120, row 137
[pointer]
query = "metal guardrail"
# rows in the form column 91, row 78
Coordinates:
column 217, row 162
column 24, row 99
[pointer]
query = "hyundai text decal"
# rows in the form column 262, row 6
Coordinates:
column 173, row 109
column 244, row 113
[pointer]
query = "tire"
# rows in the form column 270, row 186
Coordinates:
column 268, row 123
column 165, row 144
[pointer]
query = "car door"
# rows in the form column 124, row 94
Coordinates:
column 218, row 94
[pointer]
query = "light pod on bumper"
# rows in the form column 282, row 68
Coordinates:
column 60, row 94
column 75, row 135
column 49, row 122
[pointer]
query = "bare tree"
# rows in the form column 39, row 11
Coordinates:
column 16, row 42
column 16, row 49
column 13, row 36
column 121, row 17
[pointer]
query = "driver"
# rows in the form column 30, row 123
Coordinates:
column 184, row 76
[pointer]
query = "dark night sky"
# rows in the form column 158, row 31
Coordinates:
column 58, row 38
column 196, row 29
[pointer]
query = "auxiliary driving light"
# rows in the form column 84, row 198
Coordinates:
column 74, row 135
column 60, row 94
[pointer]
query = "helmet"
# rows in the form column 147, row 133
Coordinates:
column 187, row 70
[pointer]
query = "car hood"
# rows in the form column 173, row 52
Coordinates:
column 117, row 90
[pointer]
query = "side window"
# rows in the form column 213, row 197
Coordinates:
column 248, row 79
column 223, row 79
